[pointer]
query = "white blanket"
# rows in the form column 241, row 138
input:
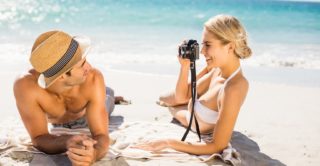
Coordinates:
column 16, row 148
column 131, row 133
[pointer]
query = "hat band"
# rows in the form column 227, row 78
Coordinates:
column 63, row 61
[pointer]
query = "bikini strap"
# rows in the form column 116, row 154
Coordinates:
column 232, row 75
column 226, row 81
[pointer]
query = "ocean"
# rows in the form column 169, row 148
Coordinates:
column 142, row 35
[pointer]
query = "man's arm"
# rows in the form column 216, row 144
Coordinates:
column 97, row 116
column 34, row 118
column 51, row 144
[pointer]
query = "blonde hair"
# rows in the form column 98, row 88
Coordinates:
column 228, row 29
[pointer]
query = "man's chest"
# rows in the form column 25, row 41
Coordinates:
column 57, row 107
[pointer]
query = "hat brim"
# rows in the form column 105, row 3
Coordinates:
column 84, row 46
column 84, row 43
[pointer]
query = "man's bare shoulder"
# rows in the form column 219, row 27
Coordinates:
column 26, row 82
column 94, row 82
column 94, row 77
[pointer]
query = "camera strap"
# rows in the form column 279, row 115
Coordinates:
column 193, row 95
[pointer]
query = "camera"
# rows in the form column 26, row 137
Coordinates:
column 189, row 50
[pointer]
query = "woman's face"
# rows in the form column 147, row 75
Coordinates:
column 213, row 50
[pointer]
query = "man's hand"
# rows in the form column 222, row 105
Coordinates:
column 81, row 151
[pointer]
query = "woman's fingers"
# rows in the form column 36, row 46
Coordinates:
column 155, row 145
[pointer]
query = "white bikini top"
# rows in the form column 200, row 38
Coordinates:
column 226, row 81
column 206, row 114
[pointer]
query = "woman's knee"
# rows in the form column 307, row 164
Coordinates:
column 181, row 117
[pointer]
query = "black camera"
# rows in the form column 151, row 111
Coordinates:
column 189, row 50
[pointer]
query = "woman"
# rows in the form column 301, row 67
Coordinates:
column 221, row 86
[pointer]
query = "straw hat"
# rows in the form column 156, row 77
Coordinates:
column 56, row 52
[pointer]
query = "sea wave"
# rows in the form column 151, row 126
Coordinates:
column 147, row 32
column 288, row 56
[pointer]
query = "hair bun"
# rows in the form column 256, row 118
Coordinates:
column 246, row 52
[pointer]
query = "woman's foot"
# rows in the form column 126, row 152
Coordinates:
column 161, row 103
column 121, row 100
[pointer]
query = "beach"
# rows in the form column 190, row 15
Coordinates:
column 281, row 119
column 134, row 45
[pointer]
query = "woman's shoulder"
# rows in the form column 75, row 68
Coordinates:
column 237, row 85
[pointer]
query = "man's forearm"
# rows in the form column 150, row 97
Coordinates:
column 102, row 146
column 51, row 144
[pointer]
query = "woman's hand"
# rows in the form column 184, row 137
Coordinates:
column 184, row 62
column 154, row 145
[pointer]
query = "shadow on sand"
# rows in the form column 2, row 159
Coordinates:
column 248, row 149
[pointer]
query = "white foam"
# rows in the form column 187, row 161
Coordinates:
column 114, row 55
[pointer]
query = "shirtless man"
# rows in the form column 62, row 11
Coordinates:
column 63, row 89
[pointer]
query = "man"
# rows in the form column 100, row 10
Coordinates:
column 63, row 89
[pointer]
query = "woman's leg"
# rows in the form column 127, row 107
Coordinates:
column 169, row 100
column 183, row 113
column 179, row 113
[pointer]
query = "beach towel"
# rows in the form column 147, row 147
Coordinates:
column 16, row 148
column 131, row 133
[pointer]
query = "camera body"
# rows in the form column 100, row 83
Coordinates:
column 189, row 50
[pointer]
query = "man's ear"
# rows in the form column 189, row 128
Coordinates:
column 63, row 76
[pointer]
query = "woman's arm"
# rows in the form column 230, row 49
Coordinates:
column 194, row 148
column 169, row 99
column 183, row 87
column 232, row 99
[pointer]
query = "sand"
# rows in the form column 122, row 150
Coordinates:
column 281, row 119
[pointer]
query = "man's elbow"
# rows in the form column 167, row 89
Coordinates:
column 41, row 146
column 102, row 146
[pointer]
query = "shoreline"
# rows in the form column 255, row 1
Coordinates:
column 262, row 74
